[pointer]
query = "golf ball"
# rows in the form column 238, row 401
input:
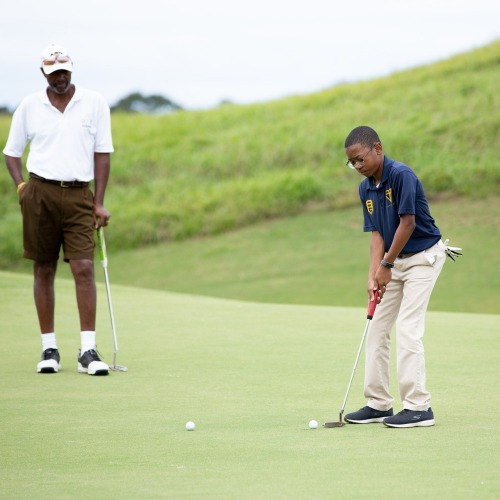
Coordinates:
column 313, row 424
column 190, row 426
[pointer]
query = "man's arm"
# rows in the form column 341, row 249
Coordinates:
column 102, row 166
column 15, row 168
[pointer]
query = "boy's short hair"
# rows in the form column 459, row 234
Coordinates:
column 363, row 135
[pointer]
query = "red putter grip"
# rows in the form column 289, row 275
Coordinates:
column 372, row 305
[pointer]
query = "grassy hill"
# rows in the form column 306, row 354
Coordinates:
column 317, row 258
column 201, row 173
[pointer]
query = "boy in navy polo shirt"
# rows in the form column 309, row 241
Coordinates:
column 406, row 258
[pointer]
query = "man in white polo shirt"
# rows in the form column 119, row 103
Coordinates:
column 69, row 131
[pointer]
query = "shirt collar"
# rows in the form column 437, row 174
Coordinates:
column 385, row 174
column 45, row 98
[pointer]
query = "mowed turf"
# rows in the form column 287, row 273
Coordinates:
column 317, row 258
column 250, row 376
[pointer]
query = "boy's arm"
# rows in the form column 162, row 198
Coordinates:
column 376, row 255
column 383, row 275
column 401, row 237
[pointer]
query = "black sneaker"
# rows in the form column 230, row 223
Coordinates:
column 410, row 418
column 90, row 362
column 50, row 362
column 367, row 415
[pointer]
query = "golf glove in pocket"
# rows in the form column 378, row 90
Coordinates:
column 452, row 252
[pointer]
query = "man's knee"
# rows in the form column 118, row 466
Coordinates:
column 45, row 271
column 83, row 270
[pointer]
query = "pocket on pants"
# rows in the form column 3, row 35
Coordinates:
column 27, row 200
column 427, row 258
column 24, row 193
column 434, row 253
column 431, row 258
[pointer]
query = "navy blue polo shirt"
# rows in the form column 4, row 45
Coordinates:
column 400, row 192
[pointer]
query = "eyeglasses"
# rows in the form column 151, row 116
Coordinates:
column 352, row 164
column 55, row 59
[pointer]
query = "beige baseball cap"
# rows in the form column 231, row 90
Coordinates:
column 54, row 58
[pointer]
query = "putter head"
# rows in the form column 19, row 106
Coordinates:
column 118, row 368
column 115, row 367
column 330, row 425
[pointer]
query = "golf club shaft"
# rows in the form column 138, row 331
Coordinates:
column 111, row 314
column 354, row 368
column 104, row 261
column 371, row 312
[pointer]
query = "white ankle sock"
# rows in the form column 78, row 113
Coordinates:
column 88, row 340
column 49, row 341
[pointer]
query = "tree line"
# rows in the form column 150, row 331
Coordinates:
column 133, row 103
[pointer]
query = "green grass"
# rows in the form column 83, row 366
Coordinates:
column 251, row 376
column 204, row 173
column 317, row 258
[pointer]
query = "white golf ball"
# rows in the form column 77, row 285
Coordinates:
column 313, row 424
column 190, row 426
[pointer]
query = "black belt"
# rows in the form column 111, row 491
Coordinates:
column 406, row 255
column 63, row 184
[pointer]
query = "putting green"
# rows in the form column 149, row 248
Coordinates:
column 250, row 376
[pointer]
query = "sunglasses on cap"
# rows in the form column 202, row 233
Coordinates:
column 55, row 59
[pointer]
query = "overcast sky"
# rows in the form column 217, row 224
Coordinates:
column 200, row 52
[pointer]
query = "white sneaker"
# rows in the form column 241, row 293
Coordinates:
column 90, row 362
column 50, row 362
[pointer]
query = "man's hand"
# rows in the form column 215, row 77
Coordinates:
column 101, row 216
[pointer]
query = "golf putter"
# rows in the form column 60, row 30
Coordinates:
column 104, row 261
column 371, row 311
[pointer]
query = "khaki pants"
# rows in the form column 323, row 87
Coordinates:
column 405, row 303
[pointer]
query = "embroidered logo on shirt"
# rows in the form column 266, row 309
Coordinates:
column 388, row 195
column 86, row 122
column 369, row 206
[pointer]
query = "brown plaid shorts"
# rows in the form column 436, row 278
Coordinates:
column 55, row 216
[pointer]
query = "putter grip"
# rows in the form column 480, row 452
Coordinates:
column 372, row 305
column 102, row 247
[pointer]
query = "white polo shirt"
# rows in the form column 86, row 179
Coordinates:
column 62, row 145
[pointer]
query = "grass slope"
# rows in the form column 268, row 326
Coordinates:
column 199, row 173
column 316, row 258
column 251, row 376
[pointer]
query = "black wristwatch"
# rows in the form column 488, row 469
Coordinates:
column 384, row 263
